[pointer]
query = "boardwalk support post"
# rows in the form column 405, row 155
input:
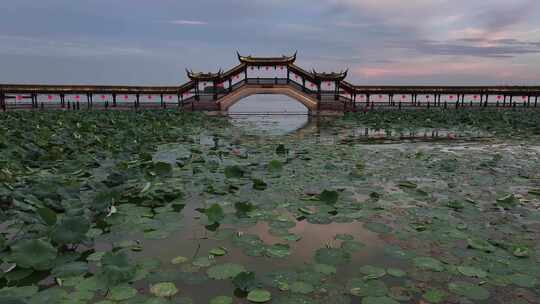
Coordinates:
column 3, row 101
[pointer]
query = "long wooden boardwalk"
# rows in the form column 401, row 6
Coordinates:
column 321, row 93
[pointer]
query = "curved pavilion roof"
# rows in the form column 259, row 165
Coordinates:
column 204, row 76
column 267, row 61
column 330, row 76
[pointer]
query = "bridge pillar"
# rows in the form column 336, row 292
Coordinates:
column 88, row 100
column 336, row 90
column 3, row 101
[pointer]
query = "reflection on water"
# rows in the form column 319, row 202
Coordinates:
column 281, row 115
column 270, row 114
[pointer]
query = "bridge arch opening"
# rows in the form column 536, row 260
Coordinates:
column 268, row 104
column 273, row 114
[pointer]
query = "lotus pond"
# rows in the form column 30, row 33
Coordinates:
column 168, row 207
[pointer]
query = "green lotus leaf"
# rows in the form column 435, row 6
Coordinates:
column 163, row 290
column 71, row 230
column 47, row 215
column 37, row 254
column 221, row 300
column 378, row 227
column 472, row 271
column 325, row 269
column 259, row 184
column 215, row 213
column 162, row 168
column 301, row 287
column 363, row 288
column 428, row 263
column 479, row 244
column 179, row 260
column 469, row 290
column 275, row 166
column 259, row 296
column 523, row 280
column 234, row 171
column 116, row 268
column 70, row 269
column 395, row 272
column 204, row 261
column 278, row 250
column 246, row 281
column 218, row 251
column 521, row 251
column 373, row 272
column 435, row 296
column 225, row 271
column 332, row 256
column 121, row 293
column 330, row 197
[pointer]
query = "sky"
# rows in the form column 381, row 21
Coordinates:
column 151, row 42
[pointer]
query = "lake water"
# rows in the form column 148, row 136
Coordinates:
column 306, row 210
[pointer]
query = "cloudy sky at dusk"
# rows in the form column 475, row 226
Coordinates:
column 380, row 41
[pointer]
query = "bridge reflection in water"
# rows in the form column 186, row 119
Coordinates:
column 270, row 114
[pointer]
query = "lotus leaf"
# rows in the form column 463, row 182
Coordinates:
column 164, row 289
column 259, row 296
column 37, row 254
column 221, row 300
column 469, row 290
column 332, row 256
column 121, row 292
column 428, row 263
column 225, row 271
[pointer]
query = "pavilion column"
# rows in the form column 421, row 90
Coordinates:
column 528, row 101
column 161, row 100
column 245, row 73
column 137, row 100
column 319, row 90
column 288, row 74
column 62, row 100
column 114, row 100
column 214, row 89
column 197, row 90
column 303, row 84
column 535, row 101
column 336, row 84
column 230, row 85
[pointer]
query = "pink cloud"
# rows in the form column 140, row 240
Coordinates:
column 423, row 69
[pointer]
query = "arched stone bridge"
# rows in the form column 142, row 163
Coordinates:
column 320, row 93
